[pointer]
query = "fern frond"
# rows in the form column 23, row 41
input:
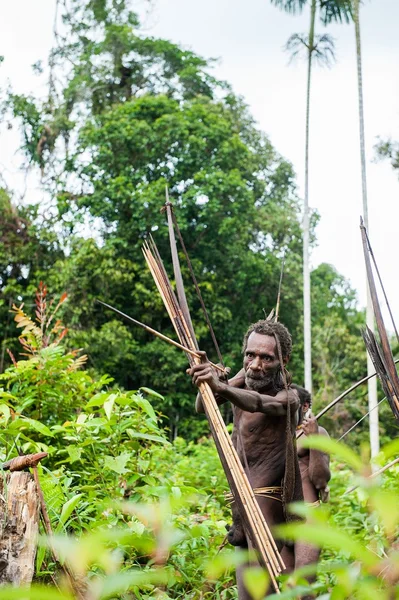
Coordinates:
column 78, row 363
column 53, row 495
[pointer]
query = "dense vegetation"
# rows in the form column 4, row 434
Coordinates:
column 132, row 476
column 146, row 518
column 126, row 115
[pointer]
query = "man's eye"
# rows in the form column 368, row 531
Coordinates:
column 250, row 355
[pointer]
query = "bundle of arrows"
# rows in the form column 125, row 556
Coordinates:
column 381, row 355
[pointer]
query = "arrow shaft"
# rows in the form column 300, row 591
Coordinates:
column 156, row 333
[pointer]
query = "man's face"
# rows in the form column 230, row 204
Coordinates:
column 260, row 361
column 305, row 407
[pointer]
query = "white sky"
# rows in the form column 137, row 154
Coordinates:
column 247, row 38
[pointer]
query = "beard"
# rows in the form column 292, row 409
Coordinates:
column 262, row 381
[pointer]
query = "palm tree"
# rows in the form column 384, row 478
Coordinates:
column 320, row 49
column 372, row 383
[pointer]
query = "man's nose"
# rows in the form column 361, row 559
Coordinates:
column 256, row 363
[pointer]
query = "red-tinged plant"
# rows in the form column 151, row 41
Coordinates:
column 45, row 331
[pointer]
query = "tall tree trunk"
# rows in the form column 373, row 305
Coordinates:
column 372, row 383
column 307, row 331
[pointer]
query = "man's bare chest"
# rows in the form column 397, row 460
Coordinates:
column 258, row 426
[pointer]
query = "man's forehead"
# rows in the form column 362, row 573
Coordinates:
column 261, row 342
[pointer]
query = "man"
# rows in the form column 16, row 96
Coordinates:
column 264, row 424
column 315, row 474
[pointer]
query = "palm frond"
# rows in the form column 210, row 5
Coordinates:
column 295, row 44
column 335, row 11
column 294, row 7
column 324, row 50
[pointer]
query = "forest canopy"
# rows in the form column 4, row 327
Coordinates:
column 125, row 116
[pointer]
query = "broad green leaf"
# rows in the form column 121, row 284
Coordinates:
column 36, row 592
column 108, row 405
column 117, row 463
column 298, row 591
column 96, row 422
column 67, row 510
column 5, row 410
column 224, row 561
column 336, row 449
column 147, row 436
column 82, row 418
column 40, row 427
column 146, row 406
column 389, row 451
column 74, row 453
column 256, row 580
column 7, row 396
column 97, row 400
column 122, row 582
column 152, row 393
column 387, row 506
column 328, row 536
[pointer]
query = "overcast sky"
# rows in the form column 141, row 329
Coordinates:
column 247, row 39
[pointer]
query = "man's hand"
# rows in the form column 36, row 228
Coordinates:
column 223, row 376
column 310, row 426
column 238, row 381
column 205, row 373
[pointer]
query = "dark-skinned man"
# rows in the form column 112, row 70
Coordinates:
column 315, row 474
column 264, row 424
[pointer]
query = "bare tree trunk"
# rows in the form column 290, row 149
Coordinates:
column 372, row 383
column 19, row 527
column 307, row 329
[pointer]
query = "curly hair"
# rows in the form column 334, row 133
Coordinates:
column 271, row 328
column 304, row 395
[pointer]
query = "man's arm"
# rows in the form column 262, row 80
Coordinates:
column 251, row 401
column 237, row 381
column 247, row 400
column 319, row 462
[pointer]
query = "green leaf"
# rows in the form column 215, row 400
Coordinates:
column 67, row 510
column 256, row 580
column 37, row 426
column 152, row 393
column 97, row 400
column 117, row 463
column 386, row 504
column 36, row 592
column 390, row 450
column 224, row 561
column 336, row 449
column 328, row 536
column 146, row 406
column 122, row 582
column 74, row 453
column 5, row 410
column 7, row 396
column 108, row 405
column 40, row 554
column 147, row 436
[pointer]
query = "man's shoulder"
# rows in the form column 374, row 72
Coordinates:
column 323, row 431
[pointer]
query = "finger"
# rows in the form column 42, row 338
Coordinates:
column 198, row 368
column 205, row 374
column 203, row 356
column 203, row 379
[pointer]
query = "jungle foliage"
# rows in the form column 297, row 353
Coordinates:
column 126, row 115
column 136, row 516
